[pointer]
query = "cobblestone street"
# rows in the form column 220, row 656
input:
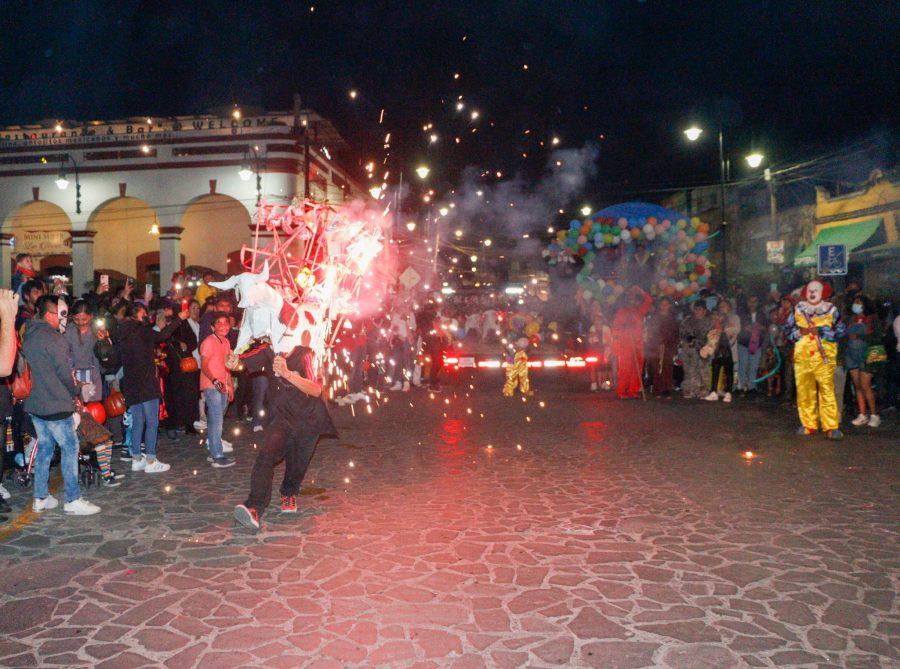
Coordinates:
column 483, row 532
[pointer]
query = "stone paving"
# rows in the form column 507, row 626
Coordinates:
column 587, row 532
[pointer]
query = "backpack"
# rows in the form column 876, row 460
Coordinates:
column 22, row 381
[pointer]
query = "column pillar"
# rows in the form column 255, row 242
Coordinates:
column 6, row 258
column 169, row 255
column 82, row 261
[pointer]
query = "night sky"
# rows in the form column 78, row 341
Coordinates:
column 792, row 78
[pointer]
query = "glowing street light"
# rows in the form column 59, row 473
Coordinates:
column 488, row 242
column 473, row 258
column 62, row 181
column 693, row 133
column 458, row 233
column 422, row 171
column 585, row 210
column 755, row 159
column 411, row 225
column 443, row 211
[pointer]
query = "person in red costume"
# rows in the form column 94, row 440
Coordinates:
column 628, row 342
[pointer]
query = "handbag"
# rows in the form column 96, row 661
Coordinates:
column 876, row 353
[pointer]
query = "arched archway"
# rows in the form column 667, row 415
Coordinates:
column 214, row 225
column 125, row 230
column 42, row 229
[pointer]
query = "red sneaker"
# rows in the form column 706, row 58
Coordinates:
column 288, row 504
column 247, row 516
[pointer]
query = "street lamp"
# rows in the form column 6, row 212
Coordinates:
column 250, row 165
column 422, row 171
column 755, row 159
column 585, row 211
column 411, row 226
column 62, row 181
column 693, row 133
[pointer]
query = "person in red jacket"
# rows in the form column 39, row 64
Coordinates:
column 628, row 342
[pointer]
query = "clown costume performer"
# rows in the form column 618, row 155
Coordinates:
column 517, row 372
column 814, row 326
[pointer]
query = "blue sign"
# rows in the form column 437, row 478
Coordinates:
column 831, row 259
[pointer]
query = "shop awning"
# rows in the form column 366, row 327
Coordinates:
column 879, row 252
column 852, row 235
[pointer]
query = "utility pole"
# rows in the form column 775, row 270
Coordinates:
column 773, row 214
column 724, row 227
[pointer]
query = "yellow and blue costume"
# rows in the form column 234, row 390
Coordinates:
column 815, row 357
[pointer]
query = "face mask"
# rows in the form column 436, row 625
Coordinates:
column 857, row 308
column 63, row 311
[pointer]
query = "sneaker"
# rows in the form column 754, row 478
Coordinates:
column 257, row 428
column 4, row 493
column 199, row 424
column 138, row 464
column 249, row 418
column 727, row 398
column 712, row 397
column 110, row 481
column 834, row 435
column 874, row 420
column 125, row 455
column 406, row 386
column 221, row 463
column 156, row 467
column 227, row 447
column 288, row 504
column 861, row 419
column 593, row 387
column 49, row 502
column 81, row 507
column 804, row 432
column 397, row 386
column 116, row 474
column 246, row 516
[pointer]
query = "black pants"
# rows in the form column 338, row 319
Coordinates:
column 437, row 365
column 719, row 364
column 282, row 442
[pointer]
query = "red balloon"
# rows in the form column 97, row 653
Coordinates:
column 98, row 413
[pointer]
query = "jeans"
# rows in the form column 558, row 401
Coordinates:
column 49, row 434
column 748, row 367
column 144, row 426
column 260, row 384
column 295, row 447
column 216, row 403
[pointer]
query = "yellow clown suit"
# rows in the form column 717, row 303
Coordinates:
column 815, row 326
column 517, row 372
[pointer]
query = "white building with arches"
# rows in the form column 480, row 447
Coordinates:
column 145, row 197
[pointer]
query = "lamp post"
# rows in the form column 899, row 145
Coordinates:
column 62, row 181
column 248, row 169
column 754, row 160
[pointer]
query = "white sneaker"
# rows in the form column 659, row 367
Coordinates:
column 257, row 428
column 49, row 502
column 138, row 464
column 227, row 447
column 593, row 387
column 874, row 420
column 727, row 398
column 607, row 385
column 861, row 419
column 156, row 467
column 4, row 493
column 406, row 386
column 712, row 397
column 199, row 424
column 81, row 507
column 397, row 386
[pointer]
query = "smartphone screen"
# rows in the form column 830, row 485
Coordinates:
column 104, row 280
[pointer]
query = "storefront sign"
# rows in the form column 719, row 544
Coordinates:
column 775, row 252
column 43, row 242
column 164, row 129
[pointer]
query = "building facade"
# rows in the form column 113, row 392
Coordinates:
column 146, row 197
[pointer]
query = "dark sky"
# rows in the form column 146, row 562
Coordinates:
column 792, row 78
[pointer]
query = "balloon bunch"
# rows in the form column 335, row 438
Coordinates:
column 681, row 248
